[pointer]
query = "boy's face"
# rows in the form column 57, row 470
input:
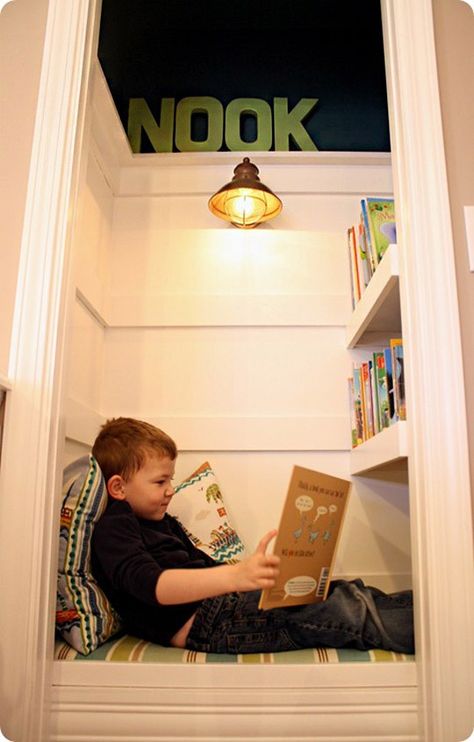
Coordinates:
column 150, row 489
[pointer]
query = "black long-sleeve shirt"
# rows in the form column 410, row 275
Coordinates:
column 128, row 555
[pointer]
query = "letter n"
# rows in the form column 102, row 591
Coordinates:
column 140, row 117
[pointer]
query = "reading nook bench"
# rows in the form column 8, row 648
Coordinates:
column 128, row 690
column 112, row 687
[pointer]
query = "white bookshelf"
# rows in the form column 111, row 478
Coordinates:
column 378, row 311
column 383, row 450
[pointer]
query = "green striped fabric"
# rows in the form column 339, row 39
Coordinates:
column 130, row 649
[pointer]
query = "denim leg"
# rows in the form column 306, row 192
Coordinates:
column 352, row 616
column 233, row 624
column 355, row 616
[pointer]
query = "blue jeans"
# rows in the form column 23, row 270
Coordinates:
column 352, row 616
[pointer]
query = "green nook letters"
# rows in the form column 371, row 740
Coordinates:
column 273, row 126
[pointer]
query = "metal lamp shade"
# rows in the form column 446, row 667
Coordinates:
column 245, row 201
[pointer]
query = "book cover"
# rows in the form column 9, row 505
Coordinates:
column 396, row 346
column 382, row 226
column 367, row 398
column 362, row 254
column 350, row 385
column 354, row 271
column 387, row 353
column 368, row 237
column 381, row 381
column 358, row 260
column 307, row 539
column 358, row 406
column 374, row 401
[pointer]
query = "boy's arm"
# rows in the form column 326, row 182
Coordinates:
column 260, row 570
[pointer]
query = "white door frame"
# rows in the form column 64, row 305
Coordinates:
column 440, row 502
column 439, row 469
column 30, row 476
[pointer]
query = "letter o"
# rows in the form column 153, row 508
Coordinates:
column 262, row 112
column 215, row 117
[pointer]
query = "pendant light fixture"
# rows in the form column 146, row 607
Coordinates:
column 245, row 201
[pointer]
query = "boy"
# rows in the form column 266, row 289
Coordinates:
column 168, row 591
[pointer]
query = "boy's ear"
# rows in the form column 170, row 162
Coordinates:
column 115, row 487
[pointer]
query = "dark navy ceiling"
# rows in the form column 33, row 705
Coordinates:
column 326, row 49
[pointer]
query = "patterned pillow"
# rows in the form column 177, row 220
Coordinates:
column 199, row 507
column 84, row 616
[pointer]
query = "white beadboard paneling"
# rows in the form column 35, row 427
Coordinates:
column 194, row 310
column 82, row 422
column 226, row 371
column 93, row 236
column 265, row 433
column 86, row 358
column 164, row 262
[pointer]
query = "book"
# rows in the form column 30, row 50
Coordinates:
column 367, row 397
column 381, row 224
column 307, row 539
column 358, row 408
column 396, row 347
column 350, row 384
column 388, row 368
column 381, row 383
column 370, row 247
column 354, row 271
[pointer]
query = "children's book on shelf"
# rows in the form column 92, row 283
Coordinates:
column 368, row 241
column 358, row 406
column 381, row 384
column 381, row 224
column 396, row 347
column 307, row 539
column 377, row 391
column 387, row 353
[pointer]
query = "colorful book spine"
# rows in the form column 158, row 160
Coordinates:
column 391, row 401
column 381, row 382
column 354, row 271
column 367, row 397
column 377, row 392
column 396, row 348
column 350, row 385
column 373, row 391
column 358, row 405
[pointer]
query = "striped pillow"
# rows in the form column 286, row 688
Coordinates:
column 84, row 616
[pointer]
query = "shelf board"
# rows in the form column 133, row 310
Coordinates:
column 379, row 307
column 385, row 448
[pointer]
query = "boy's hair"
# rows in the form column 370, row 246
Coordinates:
column 123, row 444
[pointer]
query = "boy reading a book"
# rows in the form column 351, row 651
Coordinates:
column 168, row 591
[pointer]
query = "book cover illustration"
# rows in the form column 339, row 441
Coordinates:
column 307, row 538
column 382, row 226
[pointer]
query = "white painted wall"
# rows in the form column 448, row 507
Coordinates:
column 22, row 28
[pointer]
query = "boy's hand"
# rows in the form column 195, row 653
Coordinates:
column 260, row 570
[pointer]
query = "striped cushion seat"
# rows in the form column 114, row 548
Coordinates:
column 130, row 649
